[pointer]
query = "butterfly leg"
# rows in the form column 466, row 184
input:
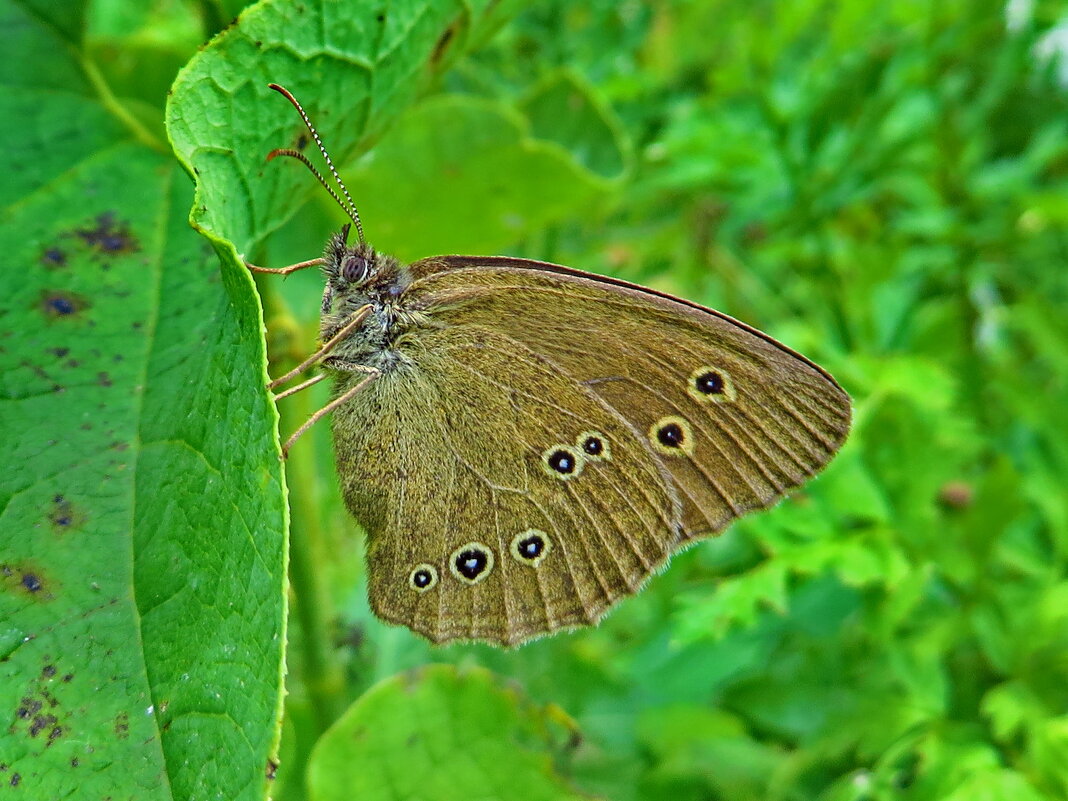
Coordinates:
column 292, row 268
column 353, row 323
column 319, row 415
column 302, row 385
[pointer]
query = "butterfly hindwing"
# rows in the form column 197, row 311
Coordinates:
column 479, row 448
column 736, row 418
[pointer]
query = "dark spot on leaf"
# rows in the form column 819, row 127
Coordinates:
column 42, row 722
column 574, row 740
column 754, row 233
column 302, row 141
column 55, row 734
column 59, row 353
column 103, row 379
column 15, row 779
column 63, row 515
column 48, row 671
column 68, row 677
column 28, row 707
column 109, row 236
column 53, row 258
column 74, row 762
column 122, row 725
column 353, row 636
column 272, row 770
column 37, row 370
column 56, row 303
column 27, row 579
column 137, row 325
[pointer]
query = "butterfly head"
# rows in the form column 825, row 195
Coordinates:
column 361, row 271
column 358, row 276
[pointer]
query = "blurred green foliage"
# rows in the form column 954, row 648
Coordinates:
column 882, row 185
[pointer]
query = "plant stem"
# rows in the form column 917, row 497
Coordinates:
column 115, row 106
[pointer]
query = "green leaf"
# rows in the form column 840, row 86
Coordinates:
column 142, row 545
column 355, row 70
column 443, row 734
column 564, row 109
column 996, row 785
column 1050, row 749
column 1011, row 707
column 139, row 48
column 708, row 748
column 467, row 175
column 739, row 600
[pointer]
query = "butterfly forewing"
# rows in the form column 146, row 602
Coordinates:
column 736, row 418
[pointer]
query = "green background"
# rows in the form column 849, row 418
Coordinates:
column 882, row 185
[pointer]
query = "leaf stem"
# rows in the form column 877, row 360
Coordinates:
column 113, row 105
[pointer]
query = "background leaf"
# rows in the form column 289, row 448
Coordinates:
column 502, row 181
column 440, row 733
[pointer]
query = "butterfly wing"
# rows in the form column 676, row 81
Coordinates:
column 736, row 418
column 488, row 514
column 550, row 437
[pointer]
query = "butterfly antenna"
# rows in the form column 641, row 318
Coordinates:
column 350, row 207
column 296, row 154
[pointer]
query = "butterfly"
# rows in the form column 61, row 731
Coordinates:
column 525, row 444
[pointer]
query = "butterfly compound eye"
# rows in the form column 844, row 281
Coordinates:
column 354, row 268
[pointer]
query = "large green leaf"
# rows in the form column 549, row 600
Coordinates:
column 355, row 67
column 467, row 175
column 443, row 734
column 142, row 545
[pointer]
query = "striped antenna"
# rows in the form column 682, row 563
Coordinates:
column 349, row 207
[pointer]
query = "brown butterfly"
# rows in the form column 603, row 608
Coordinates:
column 525, row 444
